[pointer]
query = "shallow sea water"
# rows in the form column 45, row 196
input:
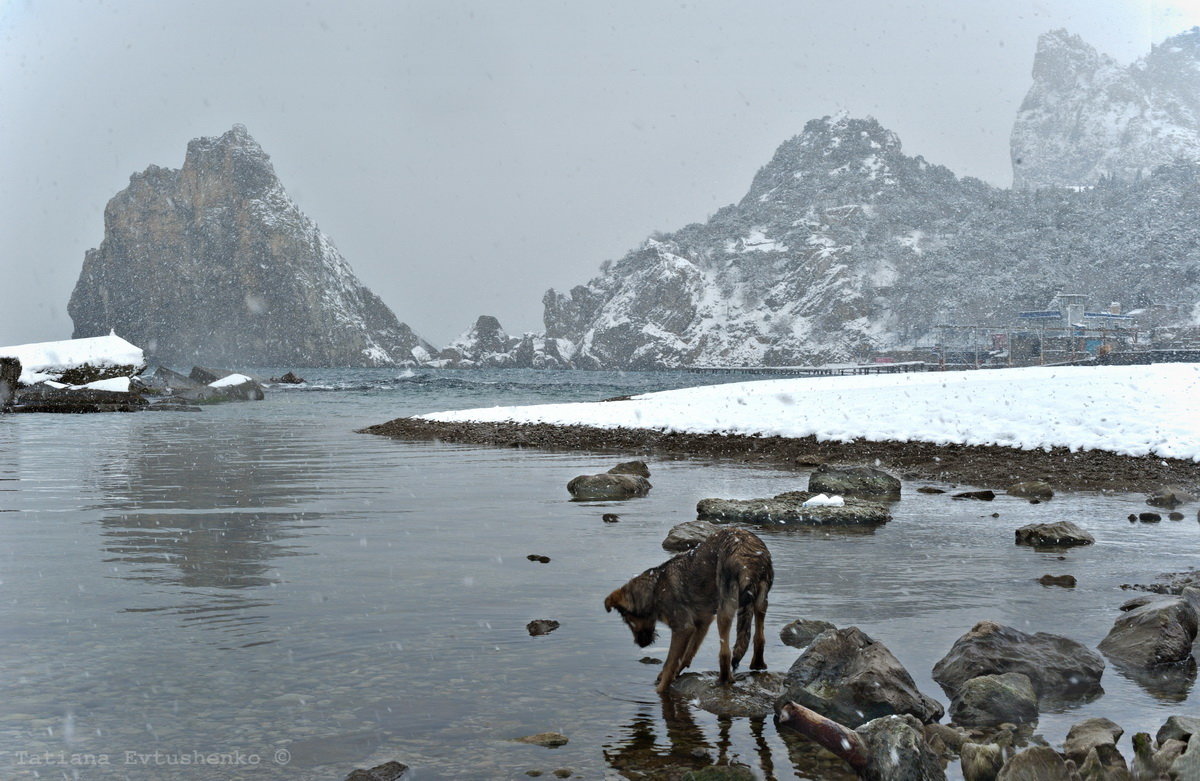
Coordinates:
column 259, row 581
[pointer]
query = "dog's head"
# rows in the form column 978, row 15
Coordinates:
column 635, row 602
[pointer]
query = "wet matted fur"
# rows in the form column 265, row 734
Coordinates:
column 727, row 574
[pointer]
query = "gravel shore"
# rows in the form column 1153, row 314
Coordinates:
column 988, row 466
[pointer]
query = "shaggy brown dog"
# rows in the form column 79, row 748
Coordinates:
column 729, row 573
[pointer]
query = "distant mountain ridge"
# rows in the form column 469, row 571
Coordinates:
column 215, row 263
column 844, row 245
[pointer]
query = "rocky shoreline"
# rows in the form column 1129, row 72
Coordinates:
column 972, row 464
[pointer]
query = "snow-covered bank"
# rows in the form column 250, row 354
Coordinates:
column 48, row 360
column 1129, row 410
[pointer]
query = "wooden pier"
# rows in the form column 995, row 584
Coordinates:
column 830, row 370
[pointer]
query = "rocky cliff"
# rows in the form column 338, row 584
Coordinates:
column 1087, row 117
column 214, row 263
column 486, row 345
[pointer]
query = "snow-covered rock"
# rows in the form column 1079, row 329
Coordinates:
column 108, row 355
column 487, row 345
column 1088, row 117
column 214, row 263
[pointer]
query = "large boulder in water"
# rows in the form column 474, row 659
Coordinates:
column 847, row 676
column 1060, row 534
column 608, row 486
column 1058, row 667
column 1152, row 631
column 864, row 482
column 794, row 508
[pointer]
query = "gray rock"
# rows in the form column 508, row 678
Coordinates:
column 788, row 509
column 202, row 375
column 208, row 394
column 750, row 694
column 897, row 751
column 10, row 373
column 687, row 535
column 1086, row 735
column 982, row 496
column 1178, row 728
column 1186, row 766
column 1103, row 763
column 44, row 398
column 174, row 381
column 863, row 482
column 631, row 468
column 802, row 631
column 847, row 676
column 214, row 263
column 1059, row 668
column 992, row 700
column 1062, row 581
column 608, row 486
column 546, row 739
column 1170, row 498
column 1037, row 763
column 1032, row 489
column 980, row 761
column 541, row 626
column 388, row 771
column 1060, row 534
column 1159, row 632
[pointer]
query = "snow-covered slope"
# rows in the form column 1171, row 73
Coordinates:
column 48, row 360
column 845, row 245
column 1086, row 116
column 1133, row 410
column 215, row 263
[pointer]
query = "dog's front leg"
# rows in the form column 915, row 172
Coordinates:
column 680, row 639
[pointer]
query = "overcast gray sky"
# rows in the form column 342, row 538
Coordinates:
column 466, row 156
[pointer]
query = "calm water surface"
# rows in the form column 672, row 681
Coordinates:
column 259, row 581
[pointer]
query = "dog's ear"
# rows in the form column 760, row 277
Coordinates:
column 615, row 599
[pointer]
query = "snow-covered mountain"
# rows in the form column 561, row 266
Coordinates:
column 845, row 245
column 214, row 263
column 1086, row 116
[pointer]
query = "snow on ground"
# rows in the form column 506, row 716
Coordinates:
column 1132, row 410
column 46, row 360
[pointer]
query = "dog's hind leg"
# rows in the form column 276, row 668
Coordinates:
column 760, row 638
column 725, row 614
column 702, row 626
column 680, row 640
column 744, row 617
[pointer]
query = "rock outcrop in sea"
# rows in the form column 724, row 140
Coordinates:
column 215, row 263
column 1087, row 117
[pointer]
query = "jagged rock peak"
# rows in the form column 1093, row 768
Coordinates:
column 214, row 263
column 1087, row 117
column 829, row 147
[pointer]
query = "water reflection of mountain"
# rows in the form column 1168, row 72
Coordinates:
column 208, row 507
